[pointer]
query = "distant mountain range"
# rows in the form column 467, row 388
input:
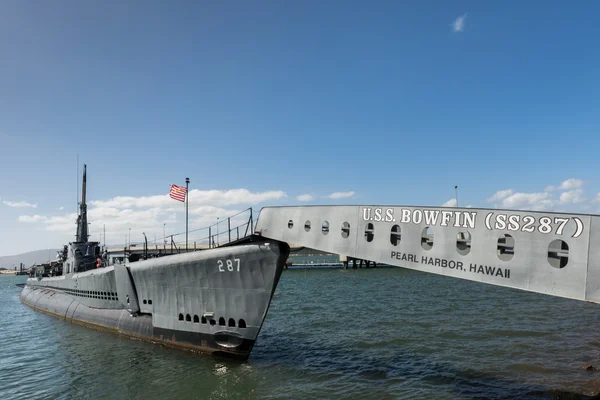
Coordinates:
column 30, row 258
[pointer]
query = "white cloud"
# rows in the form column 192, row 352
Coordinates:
column 568, row 184
column 450, row 203
column 572, row 194
column 19, row 204
column 212, row 212
column 31, row 218
column 571, row 197
column 341, row 195
column 459, row 23
column 500, row 195
column 138, row 202
column 571, row 184
column 152, row 214
column 198, row 197
column 530, row 201
column 305, row 197
column 64, row 223
column 232, row 197
column 61, row 208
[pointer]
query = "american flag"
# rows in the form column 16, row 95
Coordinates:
column 178, row 193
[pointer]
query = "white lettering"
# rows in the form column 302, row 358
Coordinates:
column 229, row 263
column 545, row 225
column 526, row 223
column 431, row 216
column 457, row 219
column 469, row 220
column 417, row 216
column 405, row 216
column 366, row 214
column 378, row 214
column 529, row 220
column 562, row 222
column 446, row 217
column 501, row 221
column 389, row 215
column 513, row 222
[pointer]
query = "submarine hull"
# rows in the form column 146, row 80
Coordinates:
column 212, row 301
column 121, row 322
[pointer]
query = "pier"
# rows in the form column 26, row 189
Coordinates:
column 543, row 252
column 20, row 271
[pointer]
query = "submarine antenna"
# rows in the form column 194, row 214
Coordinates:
column 456, row 194
column 187, row 197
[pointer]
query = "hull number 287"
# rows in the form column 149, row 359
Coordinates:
column 229, row 265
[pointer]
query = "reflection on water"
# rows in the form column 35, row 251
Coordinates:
column 330, row 333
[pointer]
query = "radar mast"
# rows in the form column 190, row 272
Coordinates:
column 82, row 225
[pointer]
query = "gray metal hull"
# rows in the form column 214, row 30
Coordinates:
column 212, row 301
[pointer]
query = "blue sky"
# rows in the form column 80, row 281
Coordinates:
column 387, row 102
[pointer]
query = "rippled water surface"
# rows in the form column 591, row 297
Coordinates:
column 382, row 333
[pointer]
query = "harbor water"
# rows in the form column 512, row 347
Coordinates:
column 384, row 333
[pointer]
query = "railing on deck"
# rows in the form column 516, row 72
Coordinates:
column 224, row 231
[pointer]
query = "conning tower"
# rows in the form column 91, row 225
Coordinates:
column 82, row 254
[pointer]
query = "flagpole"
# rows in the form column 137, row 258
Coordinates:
column 187, row 196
